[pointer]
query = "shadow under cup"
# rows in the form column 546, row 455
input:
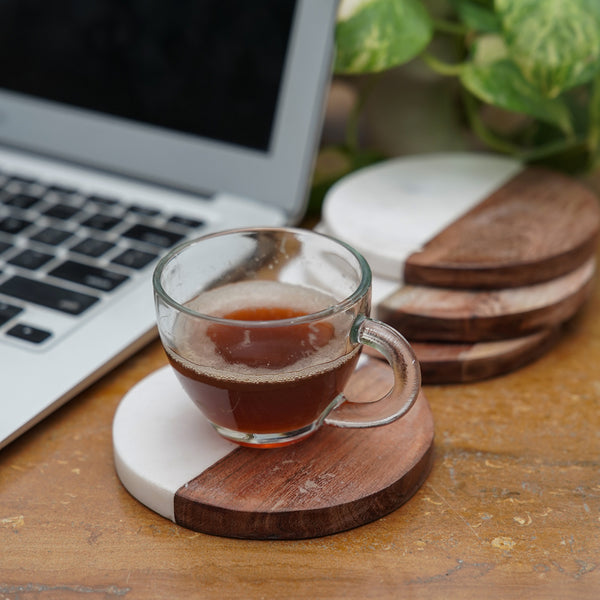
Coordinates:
column 260, row 327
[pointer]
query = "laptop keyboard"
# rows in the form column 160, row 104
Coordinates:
column 63, row 252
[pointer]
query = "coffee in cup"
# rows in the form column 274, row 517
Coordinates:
column 264, row 327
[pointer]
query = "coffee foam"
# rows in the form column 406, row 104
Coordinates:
column 246, row 294
column 195, row 350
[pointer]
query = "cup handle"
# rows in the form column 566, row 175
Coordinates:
column 407, row 379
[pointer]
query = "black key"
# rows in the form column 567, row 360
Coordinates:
column 21, row 180
column 62, row 211
column 8, row 311
column 134, row 259
column 100, row 279
column 101, row 222
column 28, row 333
column 61, row 190
column 30, row 259
column 92, row 247
column 152, row 235
column 186, row 221
column 102, row 200
column 4, row 246
column 143, row 210
column 51, row 236
column 22, row 201
column 45, row 294
column 13, row 225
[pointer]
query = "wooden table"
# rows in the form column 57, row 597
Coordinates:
column 510, row 510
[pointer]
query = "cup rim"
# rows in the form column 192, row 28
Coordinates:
column 361, row 289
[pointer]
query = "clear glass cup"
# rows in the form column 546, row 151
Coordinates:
column 264, row 327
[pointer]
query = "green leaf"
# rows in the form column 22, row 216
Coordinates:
column 555, row 43
column 478, row 16
column 501, row 84
column 374, row 35
column 489, row 48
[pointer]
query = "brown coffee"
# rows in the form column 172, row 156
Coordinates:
column 268, row 347
column 259, row 379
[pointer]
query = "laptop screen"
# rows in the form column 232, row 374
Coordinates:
column 211, row 68
column 205, row 96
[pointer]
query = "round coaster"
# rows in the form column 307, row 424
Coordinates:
column 171, row 460
column 443, row 363
column 389, row 210
column 427, row 314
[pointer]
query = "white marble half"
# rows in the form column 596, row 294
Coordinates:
column 161, row 441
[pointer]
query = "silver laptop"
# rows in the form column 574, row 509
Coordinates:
column 124, row 129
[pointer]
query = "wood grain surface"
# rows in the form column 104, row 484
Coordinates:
column 511, row 508
column 539, row 225
column 424, row 313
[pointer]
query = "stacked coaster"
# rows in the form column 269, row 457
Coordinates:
column 489, row 292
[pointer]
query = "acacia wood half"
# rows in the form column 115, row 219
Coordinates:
column 538, row 226
column 462, row 362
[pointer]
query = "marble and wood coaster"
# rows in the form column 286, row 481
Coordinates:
column 171, row 460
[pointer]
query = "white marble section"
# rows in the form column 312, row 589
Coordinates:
column 161, row 441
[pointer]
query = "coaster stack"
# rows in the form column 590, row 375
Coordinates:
column 489, row 292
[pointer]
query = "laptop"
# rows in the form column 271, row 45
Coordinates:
column 126, row 128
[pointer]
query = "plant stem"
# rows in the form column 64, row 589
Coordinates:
column 593, row 140
column 482, row 132
column 550, row 149
column 438, row 66
column 501, row 145
column 450, row 27
column 353, row 125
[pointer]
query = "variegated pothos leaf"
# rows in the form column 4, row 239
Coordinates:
column 555, row 43
column 374, row 35
column 500, row 83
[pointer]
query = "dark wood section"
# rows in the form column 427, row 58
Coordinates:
column 461, row 362
column 456, row 362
